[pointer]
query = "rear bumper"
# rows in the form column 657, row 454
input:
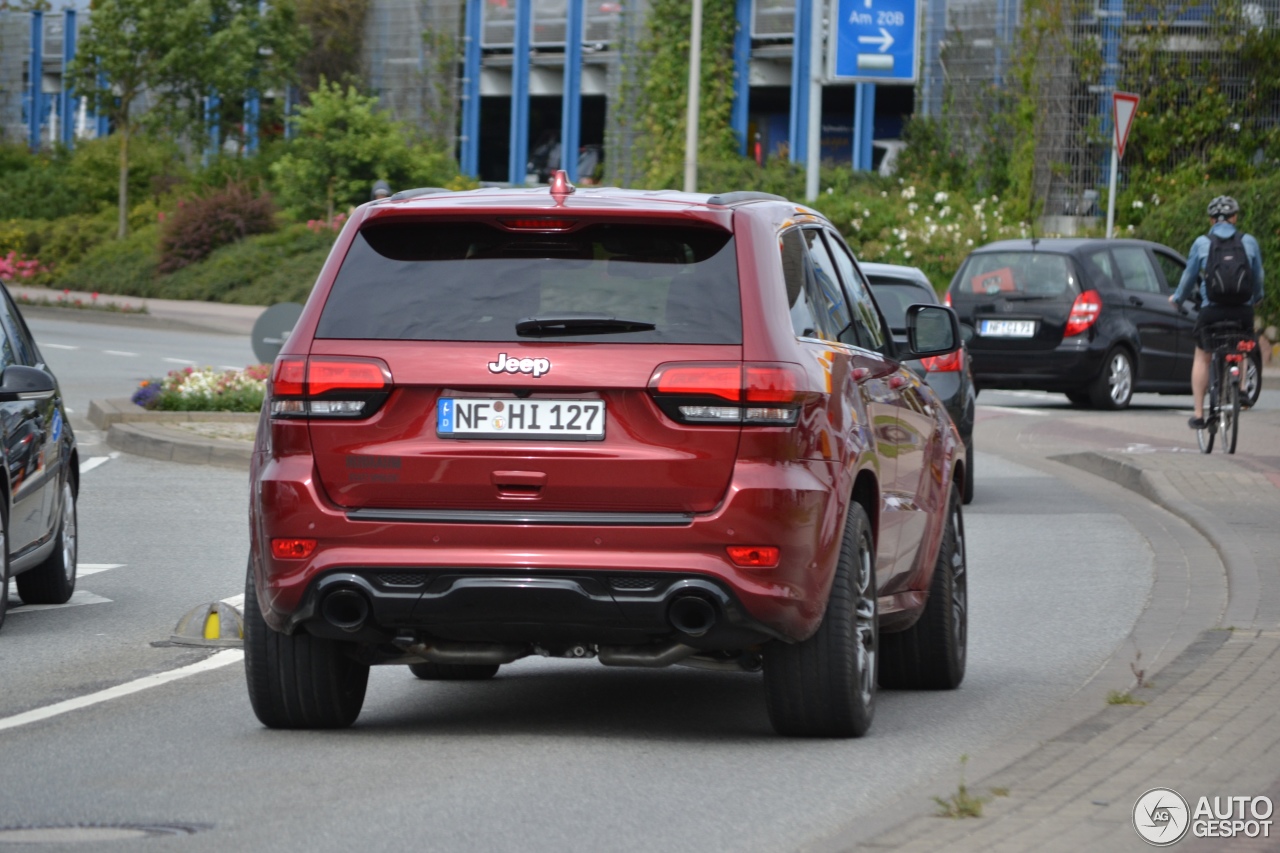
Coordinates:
column 1072, row 365
column 548, row 609
column 475, row 578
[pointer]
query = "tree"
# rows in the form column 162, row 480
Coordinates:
column 343, row 143
column 146, row 62
column 337, row 29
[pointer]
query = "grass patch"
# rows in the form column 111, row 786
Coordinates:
column 1123, row 697
column 961, row 804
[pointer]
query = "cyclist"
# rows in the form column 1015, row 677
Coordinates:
column 1223, row 212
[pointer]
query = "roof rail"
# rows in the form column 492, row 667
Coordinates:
column 744, row 195
column 404, row 194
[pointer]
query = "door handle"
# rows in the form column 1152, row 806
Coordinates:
column 1133, row 300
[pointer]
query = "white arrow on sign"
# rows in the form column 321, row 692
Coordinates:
column 884, row 40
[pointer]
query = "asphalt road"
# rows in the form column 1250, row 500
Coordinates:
column 550, row 755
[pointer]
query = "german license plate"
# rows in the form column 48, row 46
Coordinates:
column 1007, row 328
column 477, row 417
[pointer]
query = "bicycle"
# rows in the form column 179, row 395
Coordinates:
column 1231, row 347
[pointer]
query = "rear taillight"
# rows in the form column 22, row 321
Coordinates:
column 755, row 393
column 946, row 300
column 1084, row 313
column 754, row 556
column 952, row 362
column 328, row 387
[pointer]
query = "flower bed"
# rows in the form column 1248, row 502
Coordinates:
column 205, row 389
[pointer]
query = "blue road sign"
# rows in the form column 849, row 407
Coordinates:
column 877, row 41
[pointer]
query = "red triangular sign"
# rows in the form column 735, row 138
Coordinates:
column 1123, row 108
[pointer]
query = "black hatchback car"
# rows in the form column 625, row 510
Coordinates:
column 1089, row 318
column 897, row 288
column 40, row 471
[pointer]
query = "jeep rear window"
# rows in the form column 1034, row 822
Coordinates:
column 1026, row 273
column 427, row 281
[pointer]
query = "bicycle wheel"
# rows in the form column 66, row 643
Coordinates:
column 1204, row 435
column 1230, row 413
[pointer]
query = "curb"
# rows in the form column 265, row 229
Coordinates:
column 159, row 435
column 156, row 441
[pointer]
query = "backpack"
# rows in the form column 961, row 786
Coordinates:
column 1228, row 278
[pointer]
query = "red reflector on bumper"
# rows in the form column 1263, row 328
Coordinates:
column 292, row 549
column 754, row 556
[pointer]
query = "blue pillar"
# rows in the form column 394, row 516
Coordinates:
column 799, row 127
column 864, row 125
column 67, row 100
column 518, row 163
column 571, row 107
column 252, row 108
column 741, row 75
column 37, row 73
column 213, row 125
column 469, row 138
column 104, row 123
column 1112, row 14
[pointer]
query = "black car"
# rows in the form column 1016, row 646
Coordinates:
column 41, row 472
column 1089, row 318
column 897, row 287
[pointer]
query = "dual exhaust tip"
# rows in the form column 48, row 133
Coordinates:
column 348, row 610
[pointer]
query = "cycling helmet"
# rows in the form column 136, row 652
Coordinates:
column 1223, row 206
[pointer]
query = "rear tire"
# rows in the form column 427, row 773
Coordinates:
column 825, row 686
column 931, row 654
column 4, row 567
column 1113, row 389
column 54, row 580
column 968, row 474
column 297, row 681
column 428, row 671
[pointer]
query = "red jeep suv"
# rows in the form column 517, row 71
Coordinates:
column 650, row 428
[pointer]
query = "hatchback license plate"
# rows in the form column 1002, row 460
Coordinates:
column 1008, row 328
column 564, row 420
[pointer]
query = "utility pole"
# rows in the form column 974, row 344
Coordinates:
column 691, row 120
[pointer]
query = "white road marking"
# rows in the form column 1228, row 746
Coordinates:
column 221, row 659
column 93, row 462
column 58, row 346
column 79, row 598
column 83, row 569
column 236, row 601
column 120, row 352
column 1015, row 410
column 179, row 360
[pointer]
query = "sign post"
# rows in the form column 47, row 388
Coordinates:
column 876, row 41
column 1123, row 108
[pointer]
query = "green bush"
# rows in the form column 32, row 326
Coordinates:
column 261, row 270
column 126, row 267
column 221, row 217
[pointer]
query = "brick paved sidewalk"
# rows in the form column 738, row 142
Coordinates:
column 1210, row 725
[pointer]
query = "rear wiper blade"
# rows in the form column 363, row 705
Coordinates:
column 553, row 325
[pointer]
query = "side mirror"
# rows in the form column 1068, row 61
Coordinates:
column 20, row 382
column 932, row 330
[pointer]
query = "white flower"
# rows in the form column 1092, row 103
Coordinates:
column 939, row 198
column 969, row 242
column 909, row 192
column 906, row 253
column 866, row 214
column 912, row 207
column 857, row 224
column 884, row 193
column 830, row 190
column 1137, row 204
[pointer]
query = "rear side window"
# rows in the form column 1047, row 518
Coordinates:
column 817, row 304
column 1026, row 273
column 894, row 296
column 427, row 281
